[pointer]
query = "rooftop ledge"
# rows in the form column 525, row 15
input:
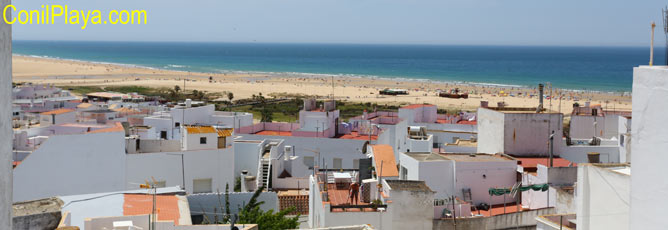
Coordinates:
column 653, row 67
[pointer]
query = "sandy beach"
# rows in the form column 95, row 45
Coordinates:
column 244, row 85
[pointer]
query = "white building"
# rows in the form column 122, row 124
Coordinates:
column 649, row 131
column 324, row 121
column 168, row 124
column 518, row 131
column 99, row 162
column 57, row 117
column 200, row 137
column 593, row 121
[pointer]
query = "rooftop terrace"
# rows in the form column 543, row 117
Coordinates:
column 478, row 157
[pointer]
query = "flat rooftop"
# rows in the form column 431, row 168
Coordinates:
column 408, row 185
column 426, row 156
column 463, row 143
column 478, row 157
column 520, row 110
column 351, row 136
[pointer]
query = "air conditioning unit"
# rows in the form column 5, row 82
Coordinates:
column 287, row 149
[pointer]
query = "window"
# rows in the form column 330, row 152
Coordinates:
column 404, row 173
column 338, row 163
column 202, row 140
column 356, row 163
column 202, row 185
column 177, row 124
column 163, row 134
column 308, row 161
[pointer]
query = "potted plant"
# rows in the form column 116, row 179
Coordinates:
column 375, row 203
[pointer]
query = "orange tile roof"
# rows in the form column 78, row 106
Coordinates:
column 200, row 129
column 415, row 106
column 141, row 204
column 125, row 110
column 385, row 154
column 57, row 111
column 118, row 127
column 84, row 105
column 224, row 132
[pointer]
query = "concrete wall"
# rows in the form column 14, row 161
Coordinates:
column 582, row 127
column 603, row 199
column 527, row 134
column 649, row 131
column 48, row 220
column 411, row 209
column 578, row 153
column 68, row 164
column 490, row 131
column 5, row 123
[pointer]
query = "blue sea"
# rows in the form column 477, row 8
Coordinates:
column 580, row 68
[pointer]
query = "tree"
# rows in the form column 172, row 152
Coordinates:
column 252, row 214
column 237, row 184
column 177, row 88
column 230, row 96
column 267, row 115
column 226, row 219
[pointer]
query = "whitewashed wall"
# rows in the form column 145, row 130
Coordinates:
column 497, row 174
column 648, row 182
column 166, row 166
column 603, row 199
column 72, row 164
column 490, row 131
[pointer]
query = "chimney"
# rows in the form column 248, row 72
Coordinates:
column 188, row 103
column 540, row 98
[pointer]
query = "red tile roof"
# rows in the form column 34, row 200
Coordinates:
column 385, row 154
column 532, row 162
column 467, row 122
column 415, row 106
column 342, row 197
column 57, row 111
column 356, row 136
column 141, row 204
column 498, row 210
column 274, row 133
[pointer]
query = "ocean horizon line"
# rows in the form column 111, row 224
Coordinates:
column 656, row 45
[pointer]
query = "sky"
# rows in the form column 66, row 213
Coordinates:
column 446, row 22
